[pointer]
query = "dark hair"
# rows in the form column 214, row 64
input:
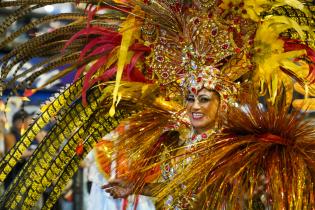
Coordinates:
column 20, row 115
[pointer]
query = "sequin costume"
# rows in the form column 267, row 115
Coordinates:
column 136, row 61
column 170, row 169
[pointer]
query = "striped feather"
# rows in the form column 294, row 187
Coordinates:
column 67, row 122
column 49, row 111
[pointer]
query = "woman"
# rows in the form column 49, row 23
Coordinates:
column 202, row 110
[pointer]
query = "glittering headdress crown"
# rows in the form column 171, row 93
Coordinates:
column 194, row 45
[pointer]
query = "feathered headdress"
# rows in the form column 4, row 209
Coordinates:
column 166, row 47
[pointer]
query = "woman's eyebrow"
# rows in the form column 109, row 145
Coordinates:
column 202, row 95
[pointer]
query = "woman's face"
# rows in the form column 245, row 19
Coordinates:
column 202, row 109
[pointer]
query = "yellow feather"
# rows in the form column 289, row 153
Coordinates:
column 304, row 104
column 301, row 89
column 129, row 31
column 270, row 55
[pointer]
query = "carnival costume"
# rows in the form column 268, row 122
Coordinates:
column 136, row 61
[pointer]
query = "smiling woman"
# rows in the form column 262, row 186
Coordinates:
column 203, row 103
column 202, row 109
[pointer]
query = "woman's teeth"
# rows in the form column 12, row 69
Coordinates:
column 197, row 115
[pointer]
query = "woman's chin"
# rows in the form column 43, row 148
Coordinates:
column 198, row 126
column 201, row 127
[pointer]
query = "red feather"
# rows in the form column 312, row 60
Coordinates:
column 95, row 42
column 290, row 45
column 86, row 84
column 137, row 76
column 101, row 45
column 92, row 30
column 106, row 75
column 139, row 47
column 133, row 62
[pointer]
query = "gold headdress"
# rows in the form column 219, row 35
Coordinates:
column 196, row 44
column 160, row 47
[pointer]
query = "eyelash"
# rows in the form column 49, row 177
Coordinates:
column 204, row 100
column 190, row 99
column 201, row 100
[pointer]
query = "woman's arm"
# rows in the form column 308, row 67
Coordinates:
column 121, row 189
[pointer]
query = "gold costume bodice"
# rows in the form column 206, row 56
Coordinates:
column 175, row 159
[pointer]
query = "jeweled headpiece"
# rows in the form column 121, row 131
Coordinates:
column 197, row 45
column 210, row 79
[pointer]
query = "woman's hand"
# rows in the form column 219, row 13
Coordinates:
column 118, row 188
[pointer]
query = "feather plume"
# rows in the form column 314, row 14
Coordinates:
column 271, row 55
column 57, row 150
column 256, row 156
column 48, row 111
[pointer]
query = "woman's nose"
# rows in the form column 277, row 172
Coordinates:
column 196, row 105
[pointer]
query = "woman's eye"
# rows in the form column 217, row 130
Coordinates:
column 204, row 100
column 190, row 99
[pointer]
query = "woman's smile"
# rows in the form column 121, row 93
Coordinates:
column 197, row 115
